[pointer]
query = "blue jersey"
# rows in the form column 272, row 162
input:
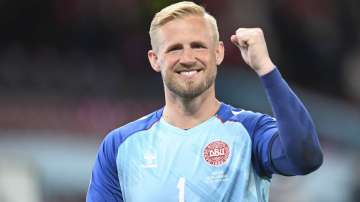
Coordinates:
column 155, row 161
column 229, row 157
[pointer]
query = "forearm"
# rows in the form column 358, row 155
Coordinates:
column 296, row 149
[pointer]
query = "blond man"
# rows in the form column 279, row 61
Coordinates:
column 197, row 148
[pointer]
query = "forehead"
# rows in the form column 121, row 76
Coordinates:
column 185, row 29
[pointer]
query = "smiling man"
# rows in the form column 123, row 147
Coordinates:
column 197, row 148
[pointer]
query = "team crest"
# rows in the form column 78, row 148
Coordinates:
column 216, row 153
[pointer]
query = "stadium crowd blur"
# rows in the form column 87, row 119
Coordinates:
column 79, row 68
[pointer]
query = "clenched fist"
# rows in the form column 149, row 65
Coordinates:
column 252, row 45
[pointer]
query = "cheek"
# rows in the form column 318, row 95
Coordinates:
column 213, row 59
column 205, row 56
column 209, row 60
column 168, row 62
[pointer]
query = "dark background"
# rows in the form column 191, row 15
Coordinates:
column 71, row 70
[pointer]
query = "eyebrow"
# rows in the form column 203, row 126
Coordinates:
column 179, row 45
column 173, row 46
column 198, row 43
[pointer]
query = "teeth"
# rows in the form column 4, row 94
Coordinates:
column 188, row 73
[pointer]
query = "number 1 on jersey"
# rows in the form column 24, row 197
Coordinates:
column 181, row 187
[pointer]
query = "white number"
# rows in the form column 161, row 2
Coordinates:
column 181, row 187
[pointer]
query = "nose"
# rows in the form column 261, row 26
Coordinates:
column 187, row 57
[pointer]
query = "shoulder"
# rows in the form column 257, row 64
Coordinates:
column 118, row 135
column 230, row 113
column 249, row 119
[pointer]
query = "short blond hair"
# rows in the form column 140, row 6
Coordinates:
column 180, row 10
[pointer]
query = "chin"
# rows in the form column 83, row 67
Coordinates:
column 190, row 91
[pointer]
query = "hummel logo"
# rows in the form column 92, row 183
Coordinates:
column 150, row 160
column 236, row 112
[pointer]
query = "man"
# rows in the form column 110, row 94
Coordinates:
column 197, row 148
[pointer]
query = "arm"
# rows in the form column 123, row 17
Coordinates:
column 294, row 149
column 104, row 184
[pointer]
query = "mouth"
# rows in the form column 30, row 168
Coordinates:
column 188, row 72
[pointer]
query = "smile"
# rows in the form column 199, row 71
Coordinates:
column 189, row 73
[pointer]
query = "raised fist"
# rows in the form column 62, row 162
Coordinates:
column 252, row 45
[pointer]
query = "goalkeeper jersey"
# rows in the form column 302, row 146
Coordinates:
column 229, row 157
column 151, row 160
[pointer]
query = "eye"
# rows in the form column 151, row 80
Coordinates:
column 174, row 48
column 198, row 45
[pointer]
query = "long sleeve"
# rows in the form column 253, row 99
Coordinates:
column 104, row 184
column 295, row 148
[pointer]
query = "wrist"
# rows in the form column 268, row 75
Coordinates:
column 265, row 68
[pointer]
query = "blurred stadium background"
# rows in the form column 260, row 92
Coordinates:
column 71, row 70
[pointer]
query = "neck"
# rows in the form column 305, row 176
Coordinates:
column 186, row 113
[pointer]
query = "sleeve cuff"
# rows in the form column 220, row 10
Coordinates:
column 272, row 78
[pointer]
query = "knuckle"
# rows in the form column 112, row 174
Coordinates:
column 240, row 30
column 258, row 31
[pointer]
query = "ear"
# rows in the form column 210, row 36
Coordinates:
column 219, row 53
column 153, row 59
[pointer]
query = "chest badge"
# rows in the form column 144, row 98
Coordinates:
column 216, row 153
